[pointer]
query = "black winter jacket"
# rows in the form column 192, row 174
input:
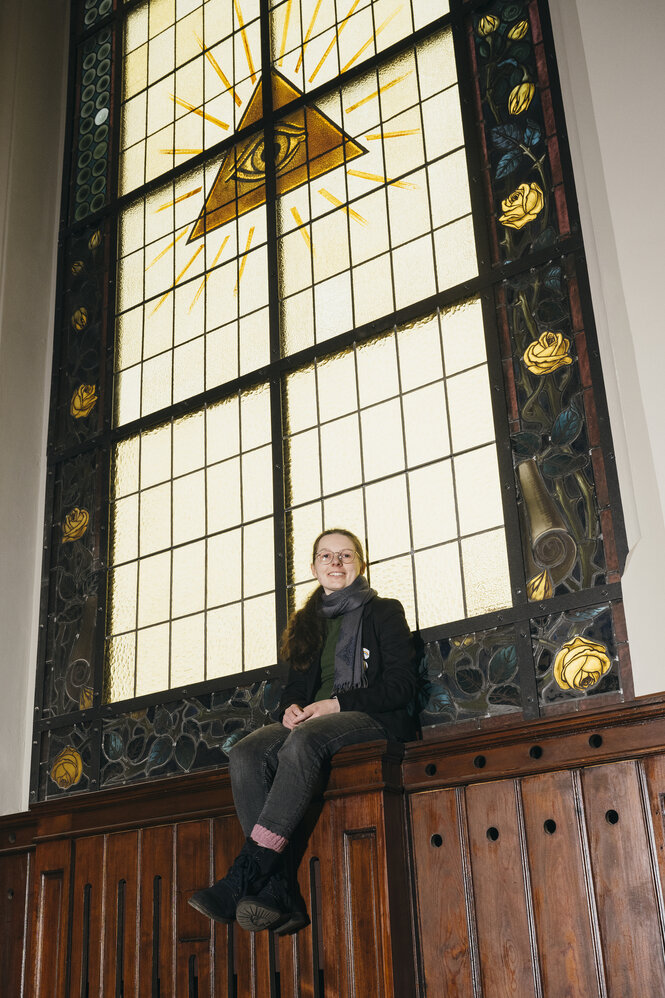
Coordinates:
column 391, row 673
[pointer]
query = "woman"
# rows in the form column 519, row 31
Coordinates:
column 351, row 679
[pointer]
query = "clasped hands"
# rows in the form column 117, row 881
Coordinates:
column 295, row 715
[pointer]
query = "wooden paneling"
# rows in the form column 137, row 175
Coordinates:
column 156, row 921
column 193, row 870
column 14, row 882
column 50, row 907
column 87, row 929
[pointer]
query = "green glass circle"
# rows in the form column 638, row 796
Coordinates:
column 104, row 36
column 85, row 142
column 102, row 101
column 97, row 202
column 99, row 167
column 84, row 159
column 89, row 60
column 101, row 133
column 86, row 125
column 88, row 94
column 103, row 84
column 100, row 150
column 105, row 7
column 88, row 77
column 103, row 67
column 83, row 176
column 83, row 193
column 104, row 51
column 90, row 3
column 101, row 116
column 81, row 212
column 90, row 18
column 87, row 109
column 98, row 185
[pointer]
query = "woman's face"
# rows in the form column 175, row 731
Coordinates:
column 336, row 574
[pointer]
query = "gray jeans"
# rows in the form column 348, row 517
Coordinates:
column 276, row 772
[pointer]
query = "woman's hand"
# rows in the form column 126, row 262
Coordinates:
column 295, row 715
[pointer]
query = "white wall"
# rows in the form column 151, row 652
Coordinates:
column 613, row 78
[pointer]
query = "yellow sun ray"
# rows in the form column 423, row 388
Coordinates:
column 307, row 36
column 197, row 110
column 183, row 197
column 178, row 279
column 376, row 34
column 170, row 245
column 334, row 39
column 383, row 180
column 287, row 18
column 212, row 266
column 393, row 135
column 250, row 236
column 303, row 231
column 218, row 69
column 340, row 204
column 180, row 152
column 248, row 54
column 386, row 86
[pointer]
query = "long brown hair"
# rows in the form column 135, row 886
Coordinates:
column 305, row 631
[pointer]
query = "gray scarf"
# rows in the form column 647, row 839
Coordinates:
column 348, row 603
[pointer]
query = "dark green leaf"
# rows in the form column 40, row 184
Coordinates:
column 470, row 681
column 526, row 444
column 160, row 753
column 506, row 695
column 185, row 752
column 503, row 664
column 558, row 465
column 567, row 426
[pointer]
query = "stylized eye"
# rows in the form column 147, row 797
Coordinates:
column 251, row 164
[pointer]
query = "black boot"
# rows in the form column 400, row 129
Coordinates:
column 278, row 906
column 249, row 872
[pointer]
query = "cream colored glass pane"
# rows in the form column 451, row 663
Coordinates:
column 135, row 72
column 125, row 467
column 127, row 397
column 224, row 568
column 295, row 264
column 258, row 558
column 470, row 403
column 188, row 592
column 426, row 424
column 133, row 129
column 222, row 355
column 383, row 446
column 220, row 287
column 449, row 188
column 125, row 529
column 254, row 341
column 436, row 63
column 463, row 337
column 189, row 507
column 122, row 594
column 188, row 370
column 129, row 337
column 132, row 167
column 439, row 585
column 296, row 320
column 387, row 519
column 345, row 511
column 162, row 14
column 223, row 430
column 409, row 209
column 259, row 627
column 394, row 579
column 154, row 589
column 372, row 289
column 257, row 483
column 188, row 650
column 330, row 236
column 486, row 579
column 423, row 13
column 303, row 525
column 455, row 253
column 119, row 672
column 419, row 353
column 340, row 454
column 442, row 123
column 403, row 143
column 186, row 47
column 158, row 157
column 432, row 499
column 130, row 287
column 188, row 443
column 336, row 379
column 478, row 490
column 414, row 271
column 293, row 212
column 155, row 519
column 160, row 61
column 152, row 659
column 253, row 281
column 377, row 371
column 332, row 306
column 397, row 97
column 158, row 331
column 255, row 418
column 300, row 400
column 156, row 388
column 223, row 642
column 369, row 240
column 136, row 28
column 130, row 229
column 189, row 309
column 303, row 478
column 223, row 483
column 218, row 18
column 156, row 456
column 358, row 33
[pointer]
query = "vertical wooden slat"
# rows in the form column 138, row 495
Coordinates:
column 119, row 973
column 654, row 772
column 498, row 881
column 441, row 908
column 156, row 878
column 87, row 917
column 627, row 901
column 13, row 901
column 570, row 964
column 193, row 930
column 364, row 949
column 50, row 904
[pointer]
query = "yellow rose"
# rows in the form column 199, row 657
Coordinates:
column 80, row 319
column 95, row 240
column 580, row 663
column 83, row 401
column 78, row 267
column 487, row 25
column 463, row 642
column 518, row 30
column 67, row 768
column 540, row 586
column 75, row 525
column 522, row 206
column 520, row 97
column 548, row 353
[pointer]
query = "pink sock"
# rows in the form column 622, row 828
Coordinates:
column 269, row 840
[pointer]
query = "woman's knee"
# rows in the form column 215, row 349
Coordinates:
column 251, row 751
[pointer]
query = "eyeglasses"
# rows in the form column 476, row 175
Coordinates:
column 326, row 557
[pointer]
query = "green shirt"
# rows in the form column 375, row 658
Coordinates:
column 333, row 626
